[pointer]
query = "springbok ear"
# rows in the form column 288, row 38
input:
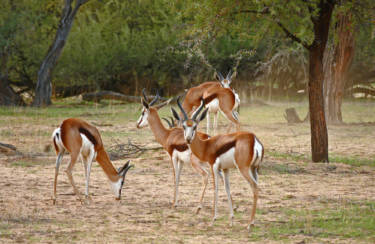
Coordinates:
column 175, row 114
column 203, row 115
column 144, row 103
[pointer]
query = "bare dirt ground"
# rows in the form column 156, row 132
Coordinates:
column 300, row 202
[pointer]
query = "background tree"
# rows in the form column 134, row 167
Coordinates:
column 339, row 57
column 43, row 90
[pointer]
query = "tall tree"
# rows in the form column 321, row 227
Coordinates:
column 43, row 90
column 304, row 22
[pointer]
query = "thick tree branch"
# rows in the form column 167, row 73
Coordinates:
column 263, row 11
column 266, row 11
column 291, row 35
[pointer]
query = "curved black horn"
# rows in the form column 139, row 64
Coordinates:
column 229, row 75
column 156, row 98
column 144, row 95
column 126, row 169
column 172, row 121
column 169, row 123
column 199, row 109
column 182, row 110
column 221, row 77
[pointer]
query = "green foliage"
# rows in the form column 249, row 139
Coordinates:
column 125, row 45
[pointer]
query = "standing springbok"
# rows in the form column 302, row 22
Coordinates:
column 217, row 98
column 240, row 149
column 80, row 138
column 173, row 142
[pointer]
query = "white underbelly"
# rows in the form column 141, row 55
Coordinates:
column 87, row 146
column 183, row 156
column 226, row 160
column 213, row 106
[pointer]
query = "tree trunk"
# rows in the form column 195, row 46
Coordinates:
column 342, row 56
column 8, row 96
column 43, row 90
column 318, row 126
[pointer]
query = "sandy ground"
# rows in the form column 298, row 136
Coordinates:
column 144, row 215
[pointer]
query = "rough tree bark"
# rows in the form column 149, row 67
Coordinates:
column 43, row 90
column 318, row 126
column 337, row 63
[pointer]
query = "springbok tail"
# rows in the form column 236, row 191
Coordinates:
column 235, row 115
column 253, row 169
column 57, row 141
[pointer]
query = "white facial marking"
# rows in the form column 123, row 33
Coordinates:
column 143, row 119
column 189, row 131
column 225, row 83
column 116, row 187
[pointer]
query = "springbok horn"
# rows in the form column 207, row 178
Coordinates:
column 172, row 121
column 156, row 98
column 229, row 75
column 221, row 77
column 160, row 105
column 144, row 95
column 199, row 109
column 182, row 110
column 169, row 123
column 127, row 167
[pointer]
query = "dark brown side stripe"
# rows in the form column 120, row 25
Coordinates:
column 225, row 148
column 210, row 98
column 88, row 135
column 181, row 147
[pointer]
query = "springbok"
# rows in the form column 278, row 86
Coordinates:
column 173, row 142
column 240, row 149
column 80, row 138
column 218, row 97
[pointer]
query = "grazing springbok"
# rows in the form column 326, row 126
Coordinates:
column 80, row 138
column 218, row 97
column 173, row 142
column 240, row 149
column 194, row 94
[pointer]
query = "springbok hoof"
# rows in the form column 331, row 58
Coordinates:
column 250, row 226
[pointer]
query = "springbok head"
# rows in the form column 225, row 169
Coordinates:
column 225, row 82
column 121, row 173
column 143, row 119
column 190, row 125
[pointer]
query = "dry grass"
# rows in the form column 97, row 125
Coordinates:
column 299, row 201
